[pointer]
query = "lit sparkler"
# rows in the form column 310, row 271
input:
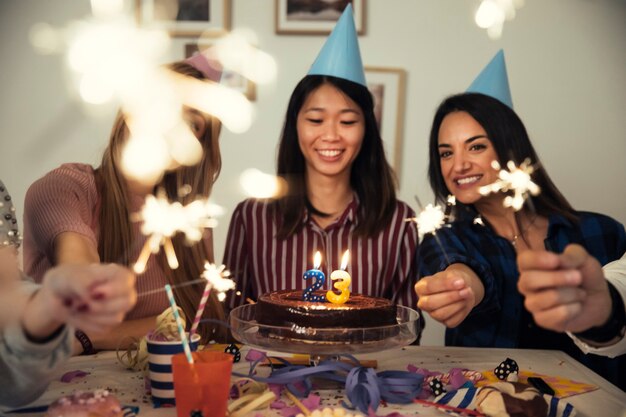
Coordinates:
column 516, row 179
column 162, row 220
column 216, row 279
column 429, row 220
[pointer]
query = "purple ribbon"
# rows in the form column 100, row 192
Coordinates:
column 365, row 388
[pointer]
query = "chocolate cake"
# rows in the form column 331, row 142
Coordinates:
column 312, row 320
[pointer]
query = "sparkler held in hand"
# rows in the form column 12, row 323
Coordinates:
column 516, row 179
column 162, row 220
column 429, row 220
column 217, row 280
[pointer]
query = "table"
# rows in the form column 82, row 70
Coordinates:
column 608, row 400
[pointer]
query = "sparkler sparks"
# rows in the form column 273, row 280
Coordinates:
column 162, row 220
column 429, row 220
column 516, row 179
column 217, row 278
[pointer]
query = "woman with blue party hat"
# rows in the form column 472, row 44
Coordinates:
column 470, row 276
column 341, row 191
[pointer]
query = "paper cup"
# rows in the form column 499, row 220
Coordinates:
column 203, row 386
column 160, row 355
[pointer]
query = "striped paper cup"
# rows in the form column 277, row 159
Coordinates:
column 160, row 367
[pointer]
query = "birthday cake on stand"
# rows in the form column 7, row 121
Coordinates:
column 287, row 309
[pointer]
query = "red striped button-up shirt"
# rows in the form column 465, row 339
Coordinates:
column 382, row 266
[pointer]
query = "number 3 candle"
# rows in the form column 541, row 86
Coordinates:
column 343, row 285
column 318, row 278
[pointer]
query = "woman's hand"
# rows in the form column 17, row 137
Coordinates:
column 449, row 295
column 566, row 291
column 93, row 298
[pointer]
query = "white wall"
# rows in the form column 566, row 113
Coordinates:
column 566, row 62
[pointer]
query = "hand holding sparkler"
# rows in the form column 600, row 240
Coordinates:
column 449, row 296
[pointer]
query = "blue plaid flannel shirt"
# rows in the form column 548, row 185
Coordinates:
column 500, row 320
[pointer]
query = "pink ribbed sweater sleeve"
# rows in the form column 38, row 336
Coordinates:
column 64, row 200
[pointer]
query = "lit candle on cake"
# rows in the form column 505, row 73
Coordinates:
column 343, row 285
column 318, row 278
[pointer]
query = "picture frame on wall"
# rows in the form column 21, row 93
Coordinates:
column 388, row 88
column 231, row 79
column 315, row 17
column 186, row 18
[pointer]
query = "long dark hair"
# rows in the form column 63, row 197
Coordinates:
column 115, row 235
column 510, row 140
column 371, row 177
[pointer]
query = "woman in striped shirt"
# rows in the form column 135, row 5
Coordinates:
column 341, row 196
column 80, row 214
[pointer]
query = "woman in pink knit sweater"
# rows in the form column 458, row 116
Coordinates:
column 80, row 214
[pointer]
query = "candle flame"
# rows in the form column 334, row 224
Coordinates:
column 317, row 260
column 344, row 259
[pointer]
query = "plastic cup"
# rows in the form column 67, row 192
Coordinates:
column 204, row 385
column 160, row 355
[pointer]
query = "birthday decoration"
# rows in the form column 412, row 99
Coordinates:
column 340, row 56
column 318, row 278
column 343, row 285
column 506, row 368
column 179, row 323
column 516, row 179
column 493, row 80
column 216, row 279
column 162, row 220
column 365, row 388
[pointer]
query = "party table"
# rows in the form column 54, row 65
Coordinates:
column 607, row 400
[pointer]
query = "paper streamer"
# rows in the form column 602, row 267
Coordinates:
column 365, row 388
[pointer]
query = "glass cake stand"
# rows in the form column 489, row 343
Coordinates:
column 320, row 342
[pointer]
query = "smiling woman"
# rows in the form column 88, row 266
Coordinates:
column 341, row 192
column 476, row 295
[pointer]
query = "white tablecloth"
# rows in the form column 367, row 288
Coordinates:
column 607, row 401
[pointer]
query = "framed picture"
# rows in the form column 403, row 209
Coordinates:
column 387, row 86
column 229, row 78
column 315, row 17
column 185, row 17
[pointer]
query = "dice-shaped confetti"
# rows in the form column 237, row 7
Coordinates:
column 436, row 387
column 196, row 413
column 506, row 368
column 233, row 350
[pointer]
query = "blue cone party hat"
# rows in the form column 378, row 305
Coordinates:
column 493, row 80
column 340, row 56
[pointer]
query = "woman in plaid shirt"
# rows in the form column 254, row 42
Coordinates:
column 468, row 281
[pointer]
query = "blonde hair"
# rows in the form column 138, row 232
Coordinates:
column 115, row 236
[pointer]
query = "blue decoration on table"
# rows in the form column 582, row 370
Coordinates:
column 365, row 388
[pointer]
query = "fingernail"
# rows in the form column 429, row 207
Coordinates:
column 98, row 296
column 464, row 292
column 83, row 308
column 572, row 277
column 458, row 283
